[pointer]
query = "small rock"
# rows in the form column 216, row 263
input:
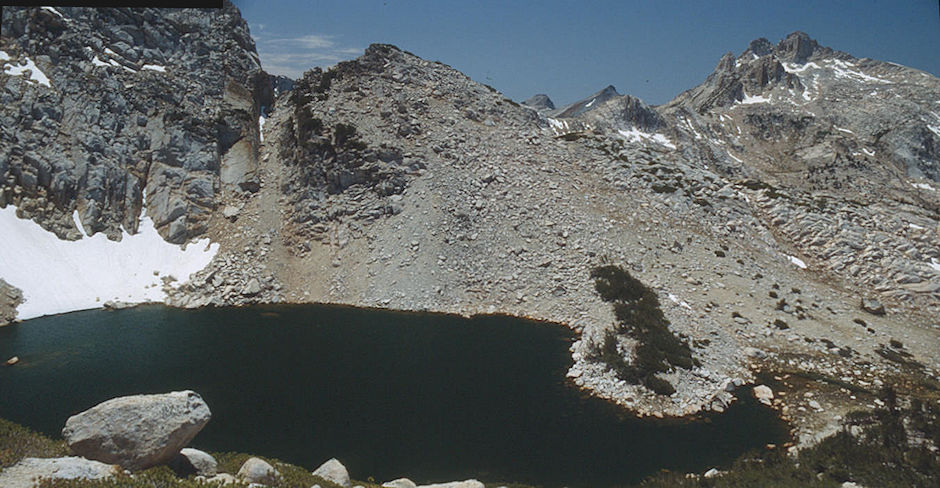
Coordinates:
column 230, row 211
column 456, row 484
column 258, row 471
column 222, row 478
column 199, row 462
column 334, row 471
column 12, row 361
column 763, row 394
column 253, row 288
column 873, row 306
column 711, row 473
column 400, row 483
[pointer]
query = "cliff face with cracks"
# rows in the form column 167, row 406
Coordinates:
column 134, row 104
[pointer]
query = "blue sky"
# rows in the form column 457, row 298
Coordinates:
column 570, row 49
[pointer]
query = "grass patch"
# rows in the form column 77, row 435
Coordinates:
column 17, row 442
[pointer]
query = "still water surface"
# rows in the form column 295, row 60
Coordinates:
column 431, row 397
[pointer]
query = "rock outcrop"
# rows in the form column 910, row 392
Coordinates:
column 137, row 432
column 10, row 298
column 27, row 472
column 147, row 104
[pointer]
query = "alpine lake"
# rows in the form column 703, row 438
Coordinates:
column 430, row 397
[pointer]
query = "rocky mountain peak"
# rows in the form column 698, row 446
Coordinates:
column 540, row 102
column 797, row 47
column 589, row 103
column 759, row 47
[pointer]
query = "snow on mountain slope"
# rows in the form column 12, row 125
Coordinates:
column 58, row 276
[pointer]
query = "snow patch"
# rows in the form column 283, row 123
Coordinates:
column 590, row 103
column 261, row 120
column 793, row 68
column 843, row 130
column 842, row 70
column 748, row 100
column 53, row 10
column 797, row 261
column 935, row 129
column 558, row 125
column 923, row 186
column 636, row 135
column 681, row 303
column 868, row 151
column 154, row 67
column 58, row 276
column 4, row 56
column 35, row 75
column 691, row 127
column 732, row 156
column 915, row 226
column 934, row 264
column 97, row 62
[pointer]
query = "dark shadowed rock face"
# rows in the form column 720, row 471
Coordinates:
column 137, row 432
column 139, row 103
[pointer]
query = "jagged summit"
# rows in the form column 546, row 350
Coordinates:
column 796, row 47
column 540, row 102
column 759, row 47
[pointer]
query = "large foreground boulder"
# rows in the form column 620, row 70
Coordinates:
column 27, row 472
column 138, row 431
column 334, row 471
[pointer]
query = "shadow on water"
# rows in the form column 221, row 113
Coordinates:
column 431, row 397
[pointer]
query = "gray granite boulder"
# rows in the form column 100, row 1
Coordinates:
column 334, row 471
column 258, row 471
column 137, row 432
column 27, row 472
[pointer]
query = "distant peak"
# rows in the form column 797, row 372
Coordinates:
column 539, row 102
column 609, row 90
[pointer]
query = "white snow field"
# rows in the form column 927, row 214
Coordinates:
column 58, row 276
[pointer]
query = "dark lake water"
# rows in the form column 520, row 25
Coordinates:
column 430, row 397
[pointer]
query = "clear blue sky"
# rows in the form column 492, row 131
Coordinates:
column 570, row 49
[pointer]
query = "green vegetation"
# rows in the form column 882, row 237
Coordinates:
column 638, row 314
column 17, row 442
column 879, row 453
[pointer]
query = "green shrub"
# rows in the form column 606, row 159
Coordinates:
column 639, row 315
